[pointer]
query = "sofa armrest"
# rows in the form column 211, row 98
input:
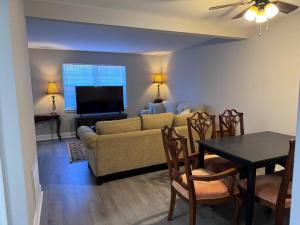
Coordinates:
column 87, row 136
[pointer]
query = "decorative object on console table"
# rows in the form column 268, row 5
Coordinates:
column 158, row 79
column 92, row 119
column 53, row 90
column 49, row 117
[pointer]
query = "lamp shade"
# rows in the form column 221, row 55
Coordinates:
column 251, row 13
column 271, row 10
column 261, row 16
column 158, row 78
column 52, row 88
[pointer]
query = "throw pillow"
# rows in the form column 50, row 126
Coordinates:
column 171, row 106
column 187, row 111
column 182, row 106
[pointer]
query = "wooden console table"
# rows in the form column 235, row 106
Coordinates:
column 92, row 119
column 49, row 117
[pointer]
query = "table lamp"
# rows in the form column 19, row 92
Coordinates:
column 158, row 79
column 52, row 90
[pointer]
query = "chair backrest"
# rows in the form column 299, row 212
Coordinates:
column 175, row 146
column 229, row 120
column 202, row 123
column 286, row 178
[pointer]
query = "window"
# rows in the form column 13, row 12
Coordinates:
column 91, row 75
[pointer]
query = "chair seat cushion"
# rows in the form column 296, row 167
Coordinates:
column 267, row 188
column 217, row 164
column 203, row 190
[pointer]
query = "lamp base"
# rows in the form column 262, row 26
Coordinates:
column 53, row 112
column 158, row 100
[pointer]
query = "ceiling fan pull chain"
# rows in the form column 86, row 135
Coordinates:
column 267, row 26
column 260, row 32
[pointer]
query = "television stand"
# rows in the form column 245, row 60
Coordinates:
column 92, row 119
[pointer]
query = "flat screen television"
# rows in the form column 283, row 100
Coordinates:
column 102, row 99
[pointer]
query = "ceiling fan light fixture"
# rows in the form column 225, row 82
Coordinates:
column 261, row 16
column 251, row 13
column 271, row 10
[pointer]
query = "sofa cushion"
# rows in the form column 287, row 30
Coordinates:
column 157, row 121
column 118, row 126
column 181, row 120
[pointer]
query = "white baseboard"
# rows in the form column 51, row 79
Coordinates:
column 37, row 215
column 48, row 137
column 3, row 214
column 38, row 193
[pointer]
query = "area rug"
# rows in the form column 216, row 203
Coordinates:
column 76, row 152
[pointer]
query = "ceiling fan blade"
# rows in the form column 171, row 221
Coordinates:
column 228, row 5
column 241, row 14
column 285, row 7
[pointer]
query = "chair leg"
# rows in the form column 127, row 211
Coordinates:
column 237, row 213
column 172, row 203
column 192, row 212
column 279, row 217
column 268, row 210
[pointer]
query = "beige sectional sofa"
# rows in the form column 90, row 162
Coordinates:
column 129, row 145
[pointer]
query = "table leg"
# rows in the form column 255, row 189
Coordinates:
column 270, row 169
column 251, row 175
column 58, row 122
column 201, row 156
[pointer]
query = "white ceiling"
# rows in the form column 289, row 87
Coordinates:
column 100, row 38
column 185, row 9
column 189, row 9
column 133, row 26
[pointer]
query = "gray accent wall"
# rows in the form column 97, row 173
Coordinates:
column 258, row 76
column 46, row 66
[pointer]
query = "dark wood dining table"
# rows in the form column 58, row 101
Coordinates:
column 250, row 151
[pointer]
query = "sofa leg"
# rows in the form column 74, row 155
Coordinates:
column 99, row 180
column 119, row 175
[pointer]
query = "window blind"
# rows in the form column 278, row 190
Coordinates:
column 91, row 75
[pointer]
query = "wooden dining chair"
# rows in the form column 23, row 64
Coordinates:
column 228, row 122
column 204, row 125
column 274, row 190
column 195, row 186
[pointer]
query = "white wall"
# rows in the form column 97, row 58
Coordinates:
column 17, row 139
column 295, row 217
column 46, row 66
column 258, row 76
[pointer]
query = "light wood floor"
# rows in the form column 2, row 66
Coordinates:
column 72, row 198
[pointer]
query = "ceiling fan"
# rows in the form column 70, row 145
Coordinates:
column 260, row 10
